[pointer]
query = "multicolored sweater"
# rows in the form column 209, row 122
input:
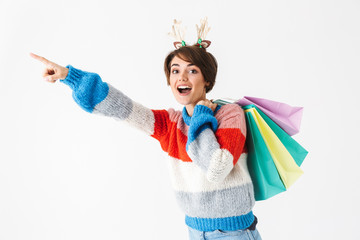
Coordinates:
column 207, row 151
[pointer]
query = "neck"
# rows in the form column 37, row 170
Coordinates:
column 190, row 109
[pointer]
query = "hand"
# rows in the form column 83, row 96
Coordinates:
column 53, row 71
column 208, row 104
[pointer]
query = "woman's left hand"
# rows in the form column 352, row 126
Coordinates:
column 208, row 104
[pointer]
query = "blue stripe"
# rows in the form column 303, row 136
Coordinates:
column 225, row 224
column 88, row 88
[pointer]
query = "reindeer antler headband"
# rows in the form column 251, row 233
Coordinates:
column 178, row 32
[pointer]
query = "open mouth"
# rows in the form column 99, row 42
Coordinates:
column 184, row 89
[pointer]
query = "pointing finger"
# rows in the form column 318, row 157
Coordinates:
column 39, row 58
column 42, row 59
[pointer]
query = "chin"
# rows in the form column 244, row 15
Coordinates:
column 186, row 101
column 183, row 102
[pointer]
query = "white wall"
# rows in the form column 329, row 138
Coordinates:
column 67, row 174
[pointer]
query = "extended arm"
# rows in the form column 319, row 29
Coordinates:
column 96, row 96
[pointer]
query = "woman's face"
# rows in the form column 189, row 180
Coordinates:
column 187, row 82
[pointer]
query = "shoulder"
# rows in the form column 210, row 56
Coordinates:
column 170, row 115
column 174, row 115
column 231, row 116
column 229, row 111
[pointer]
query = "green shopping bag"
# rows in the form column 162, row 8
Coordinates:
column 263, row 172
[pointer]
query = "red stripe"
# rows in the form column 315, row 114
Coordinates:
column 171, row 139
column 232, row 140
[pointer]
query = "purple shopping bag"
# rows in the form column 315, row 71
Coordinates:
column 286, row 116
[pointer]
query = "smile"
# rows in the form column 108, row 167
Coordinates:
column 184, row 90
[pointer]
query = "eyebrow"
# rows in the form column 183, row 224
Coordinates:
column 177, row 65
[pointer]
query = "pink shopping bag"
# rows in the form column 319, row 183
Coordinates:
column 286, row 116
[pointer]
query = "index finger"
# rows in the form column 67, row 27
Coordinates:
column 41, row 59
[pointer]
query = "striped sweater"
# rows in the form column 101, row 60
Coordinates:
column 207, row 151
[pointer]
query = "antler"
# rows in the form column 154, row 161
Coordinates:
column 203, row 30
column 178, row 32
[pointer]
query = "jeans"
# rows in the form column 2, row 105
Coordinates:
column 245, row 234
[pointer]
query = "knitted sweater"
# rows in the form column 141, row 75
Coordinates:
column 207, row 151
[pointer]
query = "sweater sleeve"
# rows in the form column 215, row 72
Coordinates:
column 215, row 144
column 95, row 96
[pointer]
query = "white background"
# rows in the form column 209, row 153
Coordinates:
column 67, row 174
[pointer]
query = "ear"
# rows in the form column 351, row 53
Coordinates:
column 178, row 45
column 205, row 43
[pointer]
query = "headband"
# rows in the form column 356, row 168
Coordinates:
column 178, row 32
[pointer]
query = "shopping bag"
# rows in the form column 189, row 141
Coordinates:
column 293, row 147
column 284, row 159
column 274, row 157
column 284, row 115
column 262, row 169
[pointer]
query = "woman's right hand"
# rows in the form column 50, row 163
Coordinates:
column 53, row 71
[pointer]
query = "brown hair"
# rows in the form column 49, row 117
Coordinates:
column 197, row 56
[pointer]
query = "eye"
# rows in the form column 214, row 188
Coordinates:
column 174, row 71
column 193, row 71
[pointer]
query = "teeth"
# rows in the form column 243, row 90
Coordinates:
column 184, row 87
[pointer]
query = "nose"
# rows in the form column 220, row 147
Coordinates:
column 183, row 76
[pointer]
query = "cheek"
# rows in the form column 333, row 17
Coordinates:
column 200, row 84
column 172, row 80
column 172, row 84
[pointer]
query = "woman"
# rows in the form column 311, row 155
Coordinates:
column 205, row 142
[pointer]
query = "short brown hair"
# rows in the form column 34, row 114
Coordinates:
column 197, row 56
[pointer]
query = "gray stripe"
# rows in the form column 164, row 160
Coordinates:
column 218, row 204
column 142, row 118
column 202, row 148
column 116, row 104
